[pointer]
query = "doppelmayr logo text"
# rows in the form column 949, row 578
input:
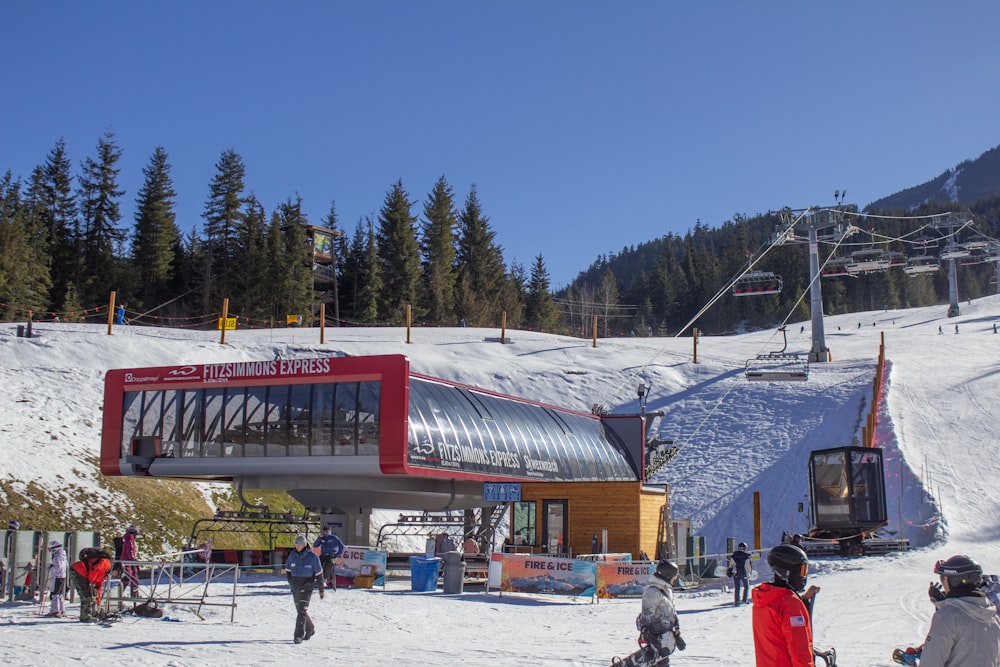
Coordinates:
column 135, row 378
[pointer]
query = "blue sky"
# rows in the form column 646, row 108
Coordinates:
column 585, row 126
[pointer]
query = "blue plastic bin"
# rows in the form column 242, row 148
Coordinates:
column 424, row 573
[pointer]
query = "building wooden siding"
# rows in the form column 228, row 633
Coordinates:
column 629, row 511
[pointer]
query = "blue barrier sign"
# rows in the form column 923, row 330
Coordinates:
column 508, row 492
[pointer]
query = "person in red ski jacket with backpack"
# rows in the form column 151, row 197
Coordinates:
column 88, row 575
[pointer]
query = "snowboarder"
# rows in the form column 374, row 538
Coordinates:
column 57, row 580
column 659, row 631
column 331, row 548
column 303, row 570
column 739, row 570
column 130, row 573
column 782, row 626
column 965, row 629
column 88, row 575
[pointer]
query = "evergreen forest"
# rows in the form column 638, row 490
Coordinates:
column 64, row 248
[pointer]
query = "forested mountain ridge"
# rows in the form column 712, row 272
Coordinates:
column 658, row 286
column 967, row 183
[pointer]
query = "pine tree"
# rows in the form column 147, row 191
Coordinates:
column 370, row 284
column 101, row 240
column 540, row 310
column 24, row 272
column 249, row 296
column 351, row 272
column 52, row 200
column 480, row 265
column 298, row 272
column 156, row 237
column 438, row 252
column 223, row 214
column 338, row 255
column 399, row 255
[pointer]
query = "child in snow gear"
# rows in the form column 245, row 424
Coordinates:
column 57, row 580
column 659, row 632
column 88, row 575
column 330, row 549
column 965, row 629
column 130, row 573
column 303, row 570
column 739, row 570
column 782, row 627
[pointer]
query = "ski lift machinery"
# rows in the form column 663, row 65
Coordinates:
column 778, row 366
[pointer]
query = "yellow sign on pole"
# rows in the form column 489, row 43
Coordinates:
column 230, row 324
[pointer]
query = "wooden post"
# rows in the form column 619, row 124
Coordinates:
column 756, row 521
column 594, row 344
column 503, row 327
column 408, row 315
column 111, row 311
column 694, row 343
column 225, row 316
column 322, row 323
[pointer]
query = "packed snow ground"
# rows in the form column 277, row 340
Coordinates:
column 938, row 424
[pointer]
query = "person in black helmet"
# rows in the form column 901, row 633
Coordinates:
column 782, row 628
column 657, row 622
column 965, row 629
column 739, row 569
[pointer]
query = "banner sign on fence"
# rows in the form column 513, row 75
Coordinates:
column 541, row 574
column 351, row 562
column 622, row 580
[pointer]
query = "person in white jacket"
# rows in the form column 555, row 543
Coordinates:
column 659, row 631
column 964, row 630
column 57, row 580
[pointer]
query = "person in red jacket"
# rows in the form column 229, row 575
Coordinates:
column 88, row 575
column 782, row 628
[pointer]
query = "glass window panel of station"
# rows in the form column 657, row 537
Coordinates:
column 867, row 484
column 255, row 419
column 434, row 409
column 276, row 421
column 212, row 411
column 190, row 423
column 369, row 395
column 169, row 420
column 533, row 437
column 232, row 415
column 345, row 419
column 299, row 411
column 322, row 420
column 131, row 419
column 456, row 413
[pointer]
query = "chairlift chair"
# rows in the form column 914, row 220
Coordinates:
column 921, row 264
column 836, row 267
column 953, row 251
column 868, row 260
column 777, row 366
column 755, row 283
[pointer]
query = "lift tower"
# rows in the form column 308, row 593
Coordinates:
column 951, row 252
column 811, row 226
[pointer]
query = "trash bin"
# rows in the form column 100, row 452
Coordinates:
column 20, row 331
column 454, row 572
column 424, row 573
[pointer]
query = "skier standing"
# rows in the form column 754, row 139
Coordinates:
column 739, row 568
column 782, row 628
column 130, row 573
column 965, row 629
column 331, row 548
column 303, row 570
column 57, row 580
column 657, row 622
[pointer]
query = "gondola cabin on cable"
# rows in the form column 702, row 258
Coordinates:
column 847, row 498
column 756, row 283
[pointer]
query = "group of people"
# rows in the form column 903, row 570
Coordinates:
column 964, row 630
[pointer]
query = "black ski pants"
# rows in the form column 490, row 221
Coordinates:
column 302, row 590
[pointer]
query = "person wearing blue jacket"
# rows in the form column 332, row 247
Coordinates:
column 330, row 548
column 303, row 570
